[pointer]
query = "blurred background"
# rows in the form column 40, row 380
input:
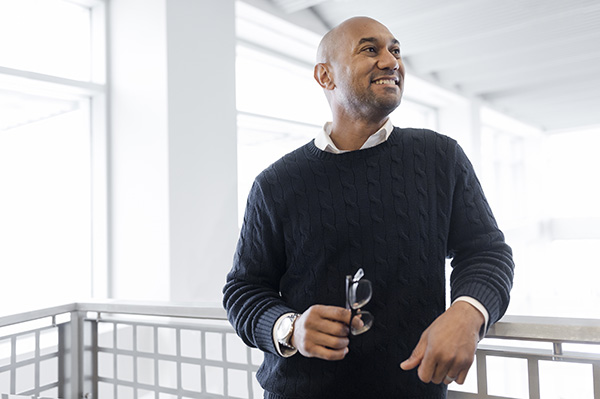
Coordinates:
column 131, row 131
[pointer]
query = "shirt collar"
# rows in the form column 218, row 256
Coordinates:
column 323, row 139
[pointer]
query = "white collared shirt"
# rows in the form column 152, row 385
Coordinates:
column 323, row 140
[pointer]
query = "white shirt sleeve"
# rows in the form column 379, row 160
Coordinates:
column 477, row 305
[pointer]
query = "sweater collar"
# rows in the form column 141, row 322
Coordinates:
column 324, row 143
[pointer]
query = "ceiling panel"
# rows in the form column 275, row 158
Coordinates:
column 537, row 60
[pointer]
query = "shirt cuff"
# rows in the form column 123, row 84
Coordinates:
column 477, row 305
column 282, row 350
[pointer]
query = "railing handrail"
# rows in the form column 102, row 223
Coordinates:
column 549, row 329
column 144, row 308
column 529, row 328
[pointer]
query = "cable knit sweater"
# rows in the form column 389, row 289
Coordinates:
column 397, row 210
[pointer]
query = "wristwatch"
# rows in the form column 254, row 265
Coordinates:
column 285, row 330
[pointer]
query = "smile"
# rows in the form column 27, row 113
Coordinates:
column 385, row 82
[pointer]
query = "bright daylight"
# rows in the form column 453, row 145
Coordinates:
column 189, row 208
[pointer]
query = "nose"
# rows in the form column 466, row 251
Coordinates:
column 387, row 60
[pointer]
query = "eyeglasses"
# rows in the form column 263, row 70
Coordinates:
column 358, row 294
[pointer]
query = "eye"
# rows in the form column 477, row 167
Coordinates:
column 370, row 49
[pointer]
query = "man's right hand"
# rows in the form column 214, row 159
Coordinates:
column 322, row 332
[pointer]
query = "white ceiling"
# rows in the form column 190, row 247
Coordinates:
column 536, row 60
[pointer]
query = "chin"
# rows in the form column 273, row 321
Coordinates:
column 390, row 104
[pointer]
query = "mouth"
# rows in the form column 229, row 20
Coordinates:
column 386, row 80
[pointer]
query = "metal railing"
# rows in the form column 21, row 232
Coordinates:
column 118, row 349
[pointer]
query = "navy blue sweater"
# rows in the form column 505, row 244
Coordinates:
column 397, row 210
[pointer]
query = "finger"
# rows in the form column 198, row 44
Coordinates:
column 330, row 341
column 415, row 358
column 334, row 313
column 462, row 376
column 334, row 328
column 427, row 369
column 324, row 353
column 357, row 323
column 441, row 371
column 448, row 380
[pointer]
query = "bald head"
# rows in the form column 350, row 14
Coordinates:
column 336, row 36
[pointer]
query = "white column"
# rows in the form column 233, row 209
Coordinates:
column 202, row 146
column 138, row 151
column 173, row 181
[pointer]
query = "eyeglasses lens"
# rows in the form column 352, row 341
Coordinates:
column 359, row 294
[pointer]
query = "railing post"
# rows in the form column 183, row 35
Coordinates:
column 481, row 374
column 596, row 377
column 534, row 378
column 76, row 388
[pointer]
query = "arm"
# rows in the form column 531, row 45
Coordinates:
column 251, row 294
column 483, row 270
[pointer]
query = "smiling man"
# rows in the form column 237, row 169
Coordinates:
column 366, row 197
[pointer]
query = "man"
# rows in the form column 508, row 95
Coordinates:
column 394, row 202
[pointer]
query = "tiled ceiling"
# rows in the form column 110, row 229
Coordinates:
column 536, row 60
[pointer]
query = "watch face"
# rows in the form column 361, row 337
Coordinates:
column 284, row 328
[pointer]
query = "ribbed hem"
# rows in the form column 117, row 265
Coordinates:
column 264, row 327
column 444, row 393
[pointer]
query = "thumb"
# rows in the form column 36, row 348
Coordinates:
column 415, row 358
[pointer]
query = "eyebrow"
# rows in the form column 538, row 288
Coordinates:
column 375, row 40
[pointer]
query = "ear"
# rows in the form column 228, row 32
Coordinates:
column 324, row 77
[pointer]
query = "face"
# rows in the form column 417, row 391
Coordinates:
column 366, row 69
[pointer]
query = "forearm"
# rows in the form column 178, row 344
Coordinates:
column 252, row 311
column 482, row 261
column 485, row 275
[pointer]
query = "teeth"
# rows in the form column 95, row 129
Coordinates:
column 385, row 82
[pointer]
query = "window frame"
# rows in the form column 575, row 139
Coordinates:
column 94, row 95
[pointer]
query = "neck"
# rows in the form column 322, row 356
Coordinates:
column 350, row 135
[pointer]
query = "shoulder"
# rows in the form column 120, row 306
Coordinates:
column 289, row 164
column 426, row 135
column 427, row 142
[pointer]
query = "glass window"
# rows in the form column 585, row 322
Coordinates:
column 275, row 86
column 573, row 169
column 45, row 232
column 45, row 149
column 52, row 37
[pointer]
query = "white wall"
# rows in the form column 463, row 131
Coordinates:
column 172, row 190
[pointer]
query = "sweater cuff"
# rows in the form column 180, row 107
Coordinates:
column 483, row 294
column 264, row 327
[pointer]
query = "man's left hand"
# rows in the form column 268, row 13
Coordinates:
column 447, row 347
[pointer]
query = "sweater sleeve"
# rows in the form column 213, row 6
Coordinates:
column 251, row 293
column 482, row 261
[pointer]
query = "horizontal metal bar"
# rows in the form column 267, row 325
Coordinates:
column 38, row 390
column 224, row 329
column 199, row 361
column 27, row 332
column 28, row 361
column 550, row 329
column 158, row 388
column 540, row 354
column 166, row 309
column 36, row 314
column 528, row 328
column 469, row 395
